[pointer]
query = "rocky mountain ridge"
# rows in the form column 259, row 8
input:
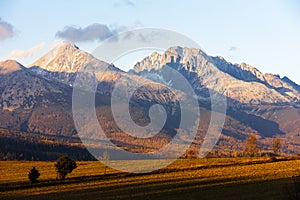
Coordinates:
column 240, row 82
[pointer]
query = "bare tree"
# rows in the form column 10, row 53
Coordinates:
column 276, row 145
column 105, row 158
column 251, row 146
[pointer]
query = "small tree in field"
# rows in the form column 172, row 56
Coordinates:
column 276, row 145
column 251, row 147
column 64, row 166
column 33, row 175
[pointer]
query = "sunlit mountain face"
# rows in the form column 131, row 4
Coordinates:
column 38, row 99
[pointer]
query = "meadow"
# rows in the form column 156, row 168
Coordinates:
column 209, row 178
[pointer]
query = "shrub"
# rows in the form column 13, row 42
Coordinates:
column 33, row 175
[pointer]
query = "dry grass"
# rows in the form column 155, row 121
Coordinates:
column 236, row 178
column 17, row 171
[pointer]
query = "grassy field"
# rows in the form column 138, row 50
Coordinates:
column 215, row 178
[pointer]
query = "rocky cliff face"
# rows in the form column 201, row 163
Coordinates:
column 67, row 57
column 240, row 82
column 64, row 61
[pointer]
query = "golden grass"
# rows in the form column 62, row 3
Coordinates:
column 16, row 171
column 193, row 176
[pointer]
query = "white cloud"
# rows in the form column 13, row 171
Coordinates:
column 24, row 54
column 6, row 30
column 92, row 32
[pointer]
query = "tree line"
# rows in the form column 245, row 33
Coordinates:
column 19, row 149
column 251, row 149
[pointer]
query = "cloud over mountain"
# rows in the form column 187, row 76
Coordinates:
column 29, row 53
column 90, row 33
column 6, row 30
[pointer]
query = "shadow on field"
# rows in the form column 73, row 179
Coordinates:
column 55, row 182
column 161, row 184
column 292, row 190
column 185, row 188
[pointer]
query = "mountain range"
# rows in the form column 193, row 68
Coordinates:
column 38, row 98
column 240, row 82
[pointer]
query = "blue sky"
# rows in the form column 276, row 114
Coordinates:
column 262, row 33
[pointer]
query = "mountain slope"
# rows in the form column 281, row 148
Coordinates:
column 64, row 62
column 24, row 94
column 265, row 102
column 248, row 73
column 22, row 89
column 67, row 57
column 242, row 83
column 10, row 66
column 39, row 99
